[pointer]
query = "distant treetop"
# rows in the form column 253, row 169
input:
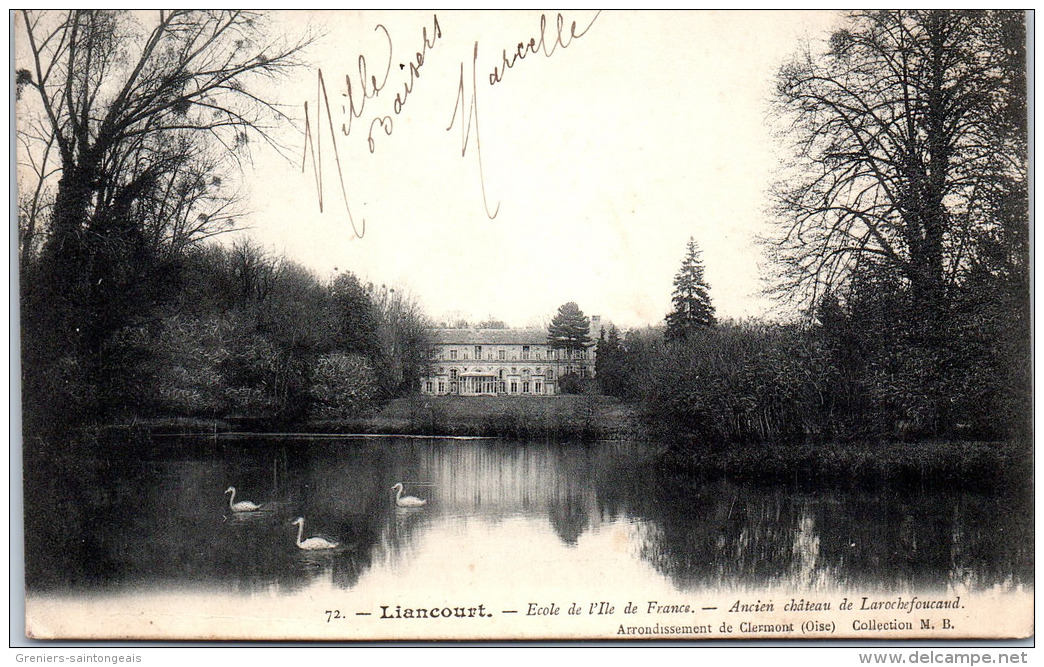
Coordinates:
column 569, row 328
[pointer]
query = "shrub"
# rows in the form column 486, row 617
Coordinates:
column 342, row 386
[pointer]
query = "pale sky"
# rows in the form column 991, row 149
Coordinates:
column 600, row 160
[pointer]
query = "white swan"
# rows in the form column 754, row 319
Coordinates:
column 407, row 501
column 242, row 505
column 312, row 543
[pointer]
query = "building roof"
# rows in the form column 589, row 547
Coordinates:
column 491, row 336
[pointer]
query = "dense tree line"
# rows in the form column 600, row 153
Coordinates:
column 905, row 221
column 748, row 382
column 243, row 336
column 131, row 128
column 904, row 238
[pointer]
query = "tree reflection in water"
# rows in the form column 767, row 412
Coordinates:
column 163, row 522
column 725, row 535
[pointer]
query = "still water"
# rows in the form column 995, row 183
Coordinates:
column 529, row 517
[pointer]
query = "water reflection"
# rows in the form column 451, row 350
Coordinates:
column 529, row 508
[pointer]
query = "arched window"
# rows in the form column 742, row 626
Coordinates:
column 550, row 374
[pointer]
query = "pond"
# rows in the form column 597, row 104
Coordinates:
column 505, row 525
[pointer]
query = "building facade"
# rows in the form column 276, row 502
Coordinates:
column 502, row 362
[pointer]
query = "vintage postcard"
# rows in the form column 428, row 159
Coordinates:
column 431, row 325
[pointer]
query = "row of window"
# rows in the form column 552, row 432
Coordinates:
column 527, row 354
column 549, row 374
column 487, row 387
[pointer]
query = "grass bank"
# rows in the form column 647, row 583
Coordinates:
column 567, row 417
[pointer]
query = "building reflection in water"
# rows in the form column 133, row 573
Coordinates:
column 536, row 513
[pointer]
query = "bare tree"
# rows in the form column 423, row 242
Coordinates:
column 36, row 173
column 404, row 339
column 129, row 120
column 910, row 137
column 126, row 111
column 130, row 126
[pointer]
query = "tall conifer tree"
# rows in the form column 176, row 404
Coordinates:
column 692, row 304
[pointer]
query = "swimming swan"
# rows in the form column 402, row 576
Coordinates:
column 408, row 501
column 242, row 505
column 312, row 543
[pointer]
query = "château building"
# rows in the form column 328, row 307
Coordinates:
column 495, row 362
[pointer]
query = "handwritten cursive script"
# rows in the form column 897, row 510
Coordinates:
column 534, row 45
column 385, row 122
column 523, row 49
column 369, row 87
column 473, row 121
